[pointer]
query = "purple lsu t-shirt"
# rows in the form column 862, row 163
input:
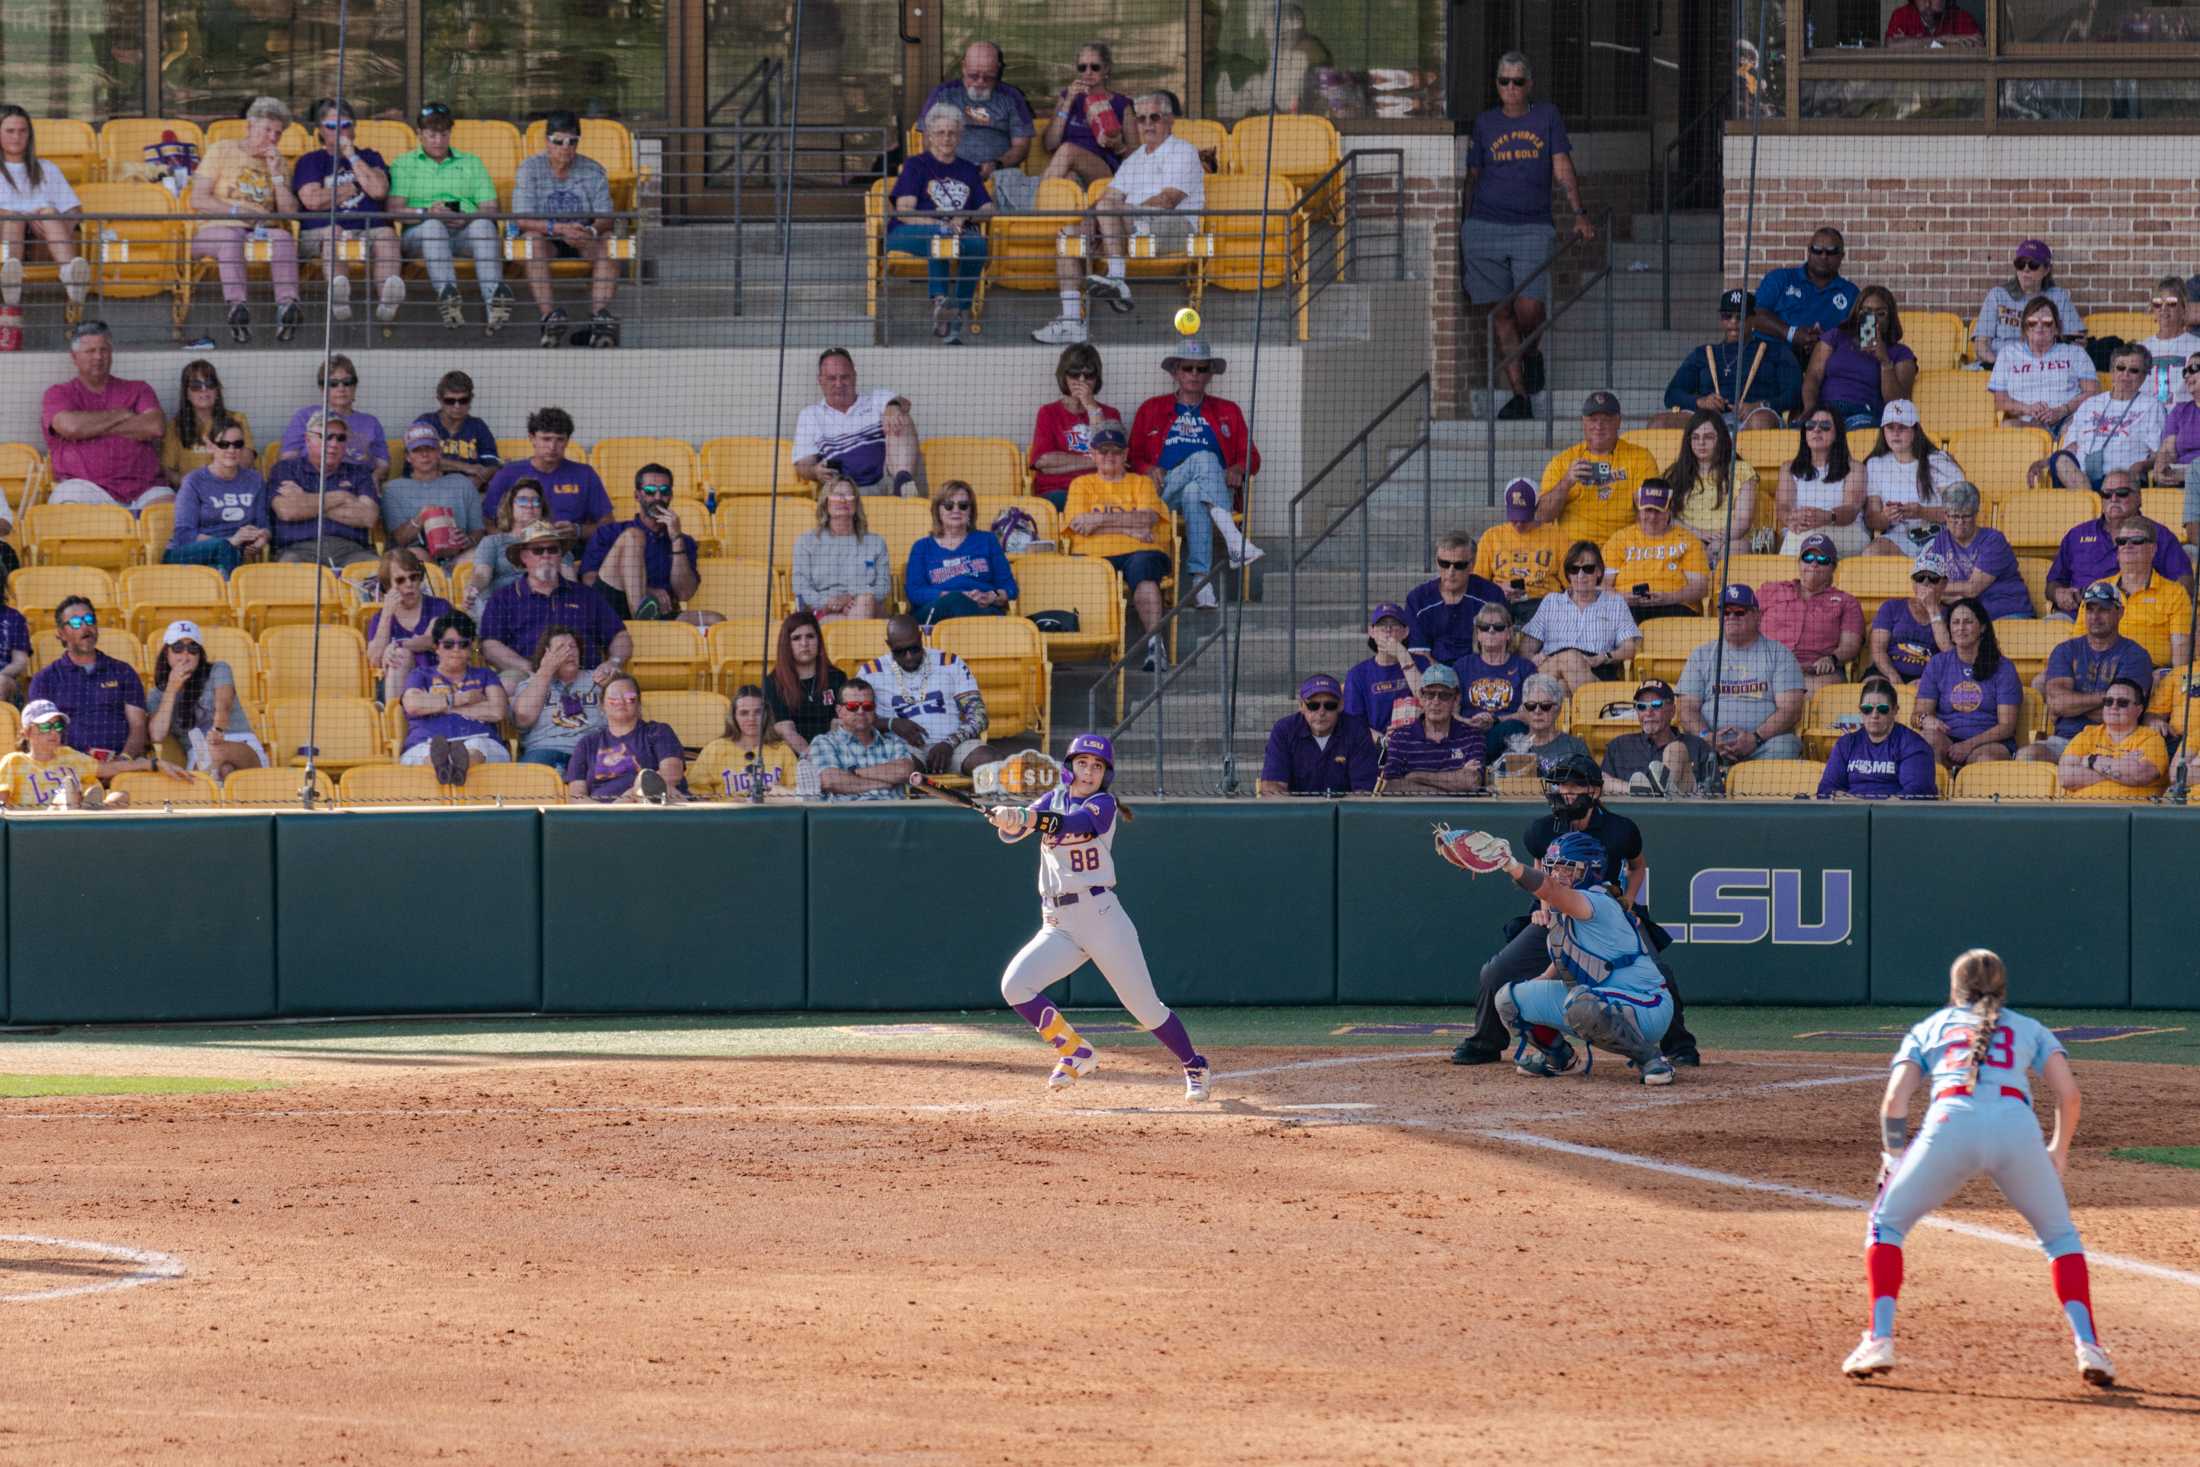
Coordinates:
column 953, row 187
column 610, row 763
column 1514, row 155
column 1491, row 687
column 575, row 491
column 1370, row 688
column 2091, row 672
column 1910, row 643
column 363, row 210
column 446, row 724
column 1963, row 702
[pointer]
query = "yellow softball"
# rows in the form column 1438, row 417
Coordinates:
column 1187, row 321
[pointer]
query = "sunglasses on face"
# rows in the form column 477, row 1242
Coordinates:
column 229, row 443
column 1440, row 693
column 1875, row 707
column 2119, row 702
column 338, row 126
column 1816, row 559
column 456, row 644
column 964, row 505
column 1081, row 374
column 404, row 580
column 533, row 551
column 2030, row 265
column 1512, row 81
column 1092, row 66
column 2163, row 302
column 336, row 438
column 1735, row 611
column 854, row 705
column 654, row 491
column 458, row 401
column 202, row 386
column 51, row 726
column 1200, row 370
column 1818, row 427
column 1322, row 705
column 914, row 649
column 81, row 620
column 1453, row 564
column 2133, row 370
column 1646, row 703
column 1828, row 249
column 2119, row 493
column 1926, row 578
column 1155, row 117
column 1585, row 570
column 1540, row 707
column 1492, row 626
column 2124, row 543
column 564, row 140
column 335, row 382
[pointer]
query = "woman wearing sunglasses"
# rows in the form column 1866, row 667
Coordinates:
column 2117, row 429
column 400, row 636
column 367, row 445
column 2000, row 323
column 2180, row 443
column 1880, row 759
column 221, row 510
column 1538, row 744
column 1492, row 679
column 2038, row 380
column 957, row 570
column 188, row 444
column 1907, row 633
column 1061, row 435
column 1821, row 491
column 43, row 772
column 493, row 568
column 1090, row 130
column 1969, row 697
column 1980, row 562
column 2173, row 339
column 455, row 707
column 1585, row 634
column 2118, row 758
column 196, row 698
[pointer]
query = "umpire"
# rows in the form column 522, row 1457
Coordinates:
column 1575, row 787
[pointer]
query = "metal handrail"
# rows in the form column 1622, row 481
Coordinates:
column 1361, row 443
column 1495, row 365
column 1158, row 635
column 1717, row 110
column 763, row 77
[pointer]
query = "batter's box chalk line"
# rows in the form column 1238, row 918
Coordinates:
column 151, row 1267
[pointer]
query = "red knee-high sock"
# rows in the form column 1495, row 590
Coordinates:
column 1543, row 1034
column 1883, row 1272
column 2074, row 1291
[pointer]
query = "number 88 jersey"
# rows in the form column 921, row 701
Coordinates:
column 1941, row 1047
column 1082, row 854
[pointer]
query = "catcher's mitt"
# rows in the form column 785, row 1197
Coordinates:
column 1475, row 852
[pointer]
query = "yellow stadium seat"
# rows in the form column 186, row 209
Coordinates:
column 22, row 471
column 387, row 136
column 748, row 527
column 1831, row 713
column 2008, row 779
column 11, row 726
column 1861, row 443
column 70, row 145
column 2165, row 505
column 1666, row 643
column 1765, row 450
column 1938, row 337
column 1298, row 147
column 734, row 466
column 2037, row 519
column 104, row 535
column 113, row 640
column 1758, row 570
column 1951, row 401
column 2032, row 720
column 1086, row 585
column 1773, row 779
column 667, row 654
column 604, row 140
column 36, row 590
column 1240, row 262
column 1874, row 580
column 279, row 594
column 990, row 508
column 852, row 641
column 1208, row 138
column 517, row 784
column 2027, row 641
column 1009, row 659
column 389, row 784
column 2034, row 569
column 149, row 790
column 1998, row 459
column 274, row 788
column 697, row 717
column 498, row 146
column 617, row 460
column 1600, row 712
column 2130, row 325
column 146, row 255
column 902, row 523
column 123, row 140
column 1022, row 248
column 293, row 143
column 156, row 523
column 347, row 731
column 1662, row 444
column 992, row 466
column 287, row 662
column 736, row 588
column 737, row 652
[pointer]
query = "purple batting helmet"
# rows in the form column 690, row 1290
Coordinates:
column 1097, row 745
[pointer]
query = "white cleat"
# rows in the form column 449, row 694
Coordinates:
column 1071, row 1068
column 1061, row 331
column 2095, row 1366
column 1198, row 1083
column 1872, row 1356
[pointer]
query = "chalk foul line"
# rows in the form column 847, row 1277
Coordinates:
column 152, row 1267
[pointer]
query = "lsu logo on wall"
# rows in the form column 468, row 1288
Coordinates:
column 1746, row 904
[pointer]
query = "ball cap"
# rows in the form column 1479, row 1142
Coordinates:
column 1600, row 402
column 1437, row 675
column 42, row 710
column 2100, row 593
column 1519, row 502
column 420, row 435
column 1389, row 611
column 1734, row 303
column 2035, row 249
column 1821, row 543
column 1930, row 564
column 182, row 631
column 1110, row 435
column 1657, row 686
column 1902, row 411
column 1738, row 595
column 1320, row 682
column 1654, row 494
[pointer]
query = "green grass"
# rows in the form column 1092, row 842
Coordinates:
column 27, row 1085
column 2185, row 1156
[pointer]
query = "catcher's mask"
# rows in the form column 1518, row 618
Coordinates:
column 1580, row 772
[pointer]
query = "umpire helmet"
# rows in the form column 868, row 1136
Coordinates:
column 1576, row 770
column 1097, row 745
column 1578, row 848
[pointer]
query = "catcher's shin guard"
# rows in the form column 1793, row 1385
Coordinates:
column 1610, row 1023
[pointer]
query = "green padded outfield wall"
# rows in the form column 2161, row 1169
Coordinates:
column 2165, row 952
column 1410, row 928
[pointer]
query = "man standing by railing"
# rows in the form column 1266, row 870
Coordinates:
column 1518, row 148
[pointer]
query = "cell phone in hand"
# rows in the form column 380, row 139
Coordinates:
column 1519, row 584
column 1642, row 588
column 1867, row 332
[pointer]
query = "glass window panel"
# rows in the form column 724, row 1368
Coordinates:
column 1859, row 25
column 1338, row 58
column 851, row 58
column 517, row 59
column 74, row 58
column 2111, row 22
column 1874, row 100
column 1761, row 60
column 1148, row 39
column 2053, row 99
column 1588, row 57
column 217, row 55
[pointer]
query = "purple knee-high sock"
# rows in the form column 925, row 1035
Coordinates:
column 1171, row 1034
column 1056, row 1030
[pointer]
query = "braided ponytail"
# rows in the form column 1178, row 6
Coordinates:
column 1978, row 980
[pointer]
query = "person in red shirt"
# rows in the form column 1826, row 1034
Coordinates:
column 103, row 432
column 1819, row 622
column 1921, row 25
column 1197, row 447
column 1061, row 437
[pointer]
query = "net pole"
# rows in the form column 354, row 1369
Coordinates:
column 783, row 208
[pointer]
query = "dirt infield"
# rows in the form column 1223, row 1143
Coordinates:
column 1352, row 1257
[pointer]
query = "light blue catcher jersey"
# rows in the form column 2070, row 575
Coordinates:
column 1941, row 1047
column 1605, row 949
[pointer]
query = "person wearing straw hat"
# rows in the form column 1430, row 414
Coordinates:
column 519, row 613
column 1198, row 447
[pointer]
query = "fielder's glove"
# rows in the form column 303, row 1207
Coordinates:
column 1475, row 852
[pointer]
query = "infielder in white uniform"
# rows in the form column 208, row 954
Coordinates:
column 1082, row 919
column 1976, row 1057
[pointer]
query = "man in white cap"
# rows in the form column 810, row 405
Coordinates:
column 1198, row 447
column 49, row 774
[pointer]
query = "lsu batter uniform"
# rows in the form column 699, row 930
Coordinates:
column 1081, row 917
column 1611, row 994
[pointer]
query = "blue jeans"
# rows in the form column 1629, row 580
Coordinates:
column 1192, row 488
column 219, row 554
column 555, row 758
column 916, row 239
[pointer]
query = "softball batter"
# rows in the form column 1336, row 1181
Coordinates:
column 1082, row 919
column 1976, row 1058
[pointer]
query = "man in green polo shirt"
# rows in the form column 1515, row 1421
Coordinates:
column 443, row 189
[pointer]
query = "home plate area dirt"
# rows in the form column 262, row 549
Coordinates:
column 1348, row 1257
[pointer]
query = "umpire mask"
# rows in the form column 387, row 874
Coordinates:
column 1587, row 781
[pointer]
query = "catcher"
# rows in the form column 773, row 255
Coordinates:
column 1601, row 986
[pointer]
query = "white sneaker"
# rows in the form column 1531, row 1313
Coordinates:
column 1875, row 1356
column 1157, row 655
column 1243, row 552
column 1071, row 1068
column 1061, row 331
column 339, row 295
column 1113, row 289
column 76, row 277
column 2095, row 1366
column 1205, row 600
column 1196, row 1081
column 11, row 278
column 393, row 296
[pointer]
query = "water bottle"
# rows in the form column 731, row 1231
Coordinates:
column 710, row 501
column 2162, row 383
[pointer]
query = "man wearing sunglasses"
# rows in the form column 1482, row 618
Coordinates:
column 1798, row 304
column 645, row 566
column 445, row 190
column 855, row 758
column 356, row 180
column 317, row 480
column 1162, row 172
column 1443, row 609
column 1516, row 152
column 2118, row 758
column 1819, row 622
column 1435, row 754
column 2080, row 670
column 101, row 695
column 469, row 447
column 1881, row 759
column 102, row 432
column 575, row 191
column 1659, row 760
column 1320, row 749
column 2088, row 550
column 1744, row 692
column 1198, row 447
column 2117, row 429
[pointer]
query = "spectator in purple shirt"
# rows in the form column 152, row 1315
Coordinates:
column 357, row 181
column 645, row 567
column 2080, row 670
column 401, row 633
column 1435, row 754
column 1981, row 562
column 1862, row 365
column 519, row 612
column 576, row 492
column 320, row 480
column 469, row 447
column 102, row 696
column 628, row 758
column 1881, row 760
column 1374, row 685
column 367, row 446
column 1319, row 750
column 1969, row 698
column 2088, row 551
column 1491, row 678
column 1443, row 609
column 1090, row 130
column 1906, row 633
column 940, row 197
column 455, row 707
